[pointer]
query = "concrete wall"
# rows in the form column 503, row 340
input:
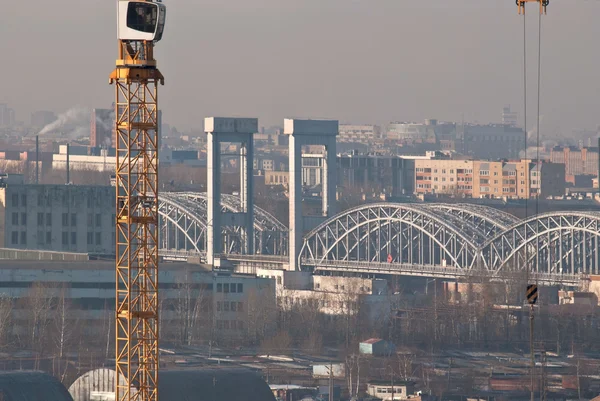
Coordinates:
column 59, row 218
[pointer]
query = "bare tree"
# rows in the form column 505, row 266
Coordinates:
column 6, row 319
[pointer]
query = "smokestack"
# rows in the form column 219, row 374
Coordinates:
column 68, row 178
column 37, row 159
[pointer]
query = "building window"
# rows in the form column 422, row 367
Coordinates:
column 240, row 307
column 24, row 200
column 219, row 287
column 49, row 219
column 225, row 306
column 218, row 306
column 98, row 239
column 40, row 219
column 98, row 220
column 90, row 220
column 226, row 288
column 40, row 200
column 233, row 306
column 48, row 237
column 73, row 220
column 240, row 288
column 73, row 238
column 65, row 238
column 15, row 219
column 14, row 237
column 15, row 200
column 233, row 288
column 90, row 238
column 23, row 219
column 65, row 219
column 23, row 238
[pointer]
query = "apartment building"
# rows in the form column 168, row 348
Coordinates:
column 452, row 177
column 519, row 179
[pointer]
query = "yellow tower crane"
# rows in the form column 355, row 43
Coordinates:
column 140, row 26
column 543, row 5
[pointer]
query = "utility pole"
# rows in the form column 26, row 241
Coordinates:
column 532, row 353
column 330, row 382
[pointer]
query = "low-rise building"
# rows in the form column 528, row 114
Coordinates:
column 387, row 390
column 227, row 303
column 365, row 134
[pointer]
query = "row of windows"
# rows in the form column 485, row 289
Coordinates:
column 230, row 324
column 45, row 219
column 232, row 306
column 93, row 200
column 230, row 287
column 323, row 303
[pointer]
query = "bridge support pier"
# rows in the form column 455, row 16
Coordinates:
column 222, row 130
column 302, row 133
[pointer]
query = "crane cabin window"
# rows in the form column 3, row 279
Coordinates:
column 142, row 17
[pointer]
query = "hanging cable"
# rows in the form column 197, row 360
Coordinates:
column 539, row 70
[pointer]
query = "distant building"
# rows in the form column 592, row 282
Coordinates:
column 426, row 132
column 509, row 117
column 365, row 134
column 7, row 116
column 490, row 142
column 102, row 127
column 577, row 161
column 521, row 179
column 66, row 218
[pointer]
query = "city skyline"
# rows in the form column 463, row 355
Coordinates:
column 260, row 61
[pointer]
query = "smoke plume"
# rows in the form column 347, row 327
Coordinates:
column 73, row 123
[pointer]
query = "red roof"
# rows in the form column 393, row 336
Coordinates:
column 372, row 341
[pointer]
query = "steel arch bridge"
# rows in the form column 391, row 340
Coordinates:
column 462, row 237
column 183, row 223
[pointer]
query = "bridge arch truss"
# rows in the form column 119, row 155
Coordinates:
column 394, row 233
column 183, row 223
column 558, row 243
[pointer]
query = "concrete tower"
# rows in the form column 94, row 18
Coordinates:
column 301, row 133
column 237, row 130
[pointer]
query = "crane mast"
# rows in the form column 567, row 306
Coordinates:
column 136, row 78
column 543, row 5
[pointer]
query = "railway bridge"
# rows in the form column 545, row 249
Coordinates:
column 431, row 240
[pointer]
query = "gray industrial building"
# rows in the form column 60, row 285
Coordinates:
column 66, row 218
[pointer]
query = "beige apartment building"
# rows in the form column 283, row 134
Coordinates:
column 519, row 179
column 452, row 177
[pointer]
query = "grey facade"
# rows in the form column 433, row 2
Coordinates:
column 66, row 218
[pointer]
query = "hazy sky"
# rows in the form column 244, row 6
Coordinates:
column 357, row 61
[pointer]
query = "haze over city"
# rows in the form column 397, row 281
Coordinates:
column 357, row 61
column 325, row 201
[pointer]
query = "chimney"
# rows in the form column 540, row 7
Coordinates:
column 37, row 159
column 68, row 178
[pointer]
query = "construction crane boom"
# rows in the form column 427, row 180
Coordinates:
column 140, row 26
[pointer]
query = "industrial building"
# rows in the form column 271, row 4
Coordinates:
column 227, row 301
column 64, row 218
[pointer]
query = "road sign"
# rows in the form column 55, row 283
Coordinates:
column 532, row 294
